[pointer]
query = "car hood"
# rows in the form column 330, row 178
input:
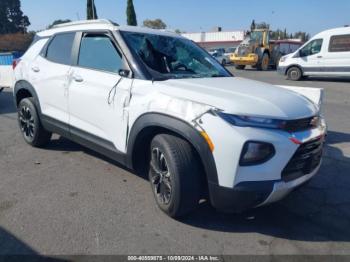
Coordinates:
column 235, row 95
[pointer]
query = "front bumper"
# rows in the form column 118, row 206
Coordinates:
column 245, row 60
column 248, row 195
column 282, row 70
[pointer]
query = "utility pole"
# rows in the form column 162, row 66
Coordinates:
column 93, row 9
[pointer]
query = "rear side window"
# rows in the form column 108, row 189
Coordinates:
column 97, row 51
column 339, row 43
column 60, row 48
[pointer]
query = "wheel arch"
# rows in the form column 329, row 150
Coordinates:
column 294, row 65
column 150, row 124
column 24, row 89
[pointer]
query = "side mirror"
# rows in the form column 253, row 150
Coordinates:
column 124, row 73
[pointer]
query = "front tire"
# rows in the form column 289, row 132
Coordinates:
column 223, row 63
column 174, row 175
column 264, row 63
column 29, row 122
column 294, row 73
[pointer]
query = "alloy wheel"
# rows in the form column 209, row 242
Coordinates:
column 161, row 177
column 27, row 124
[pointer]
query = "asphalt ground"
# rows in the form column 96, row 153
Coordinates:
column 67, row 200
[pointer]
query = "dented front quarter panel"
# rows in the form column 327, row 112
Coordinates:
column 147, row 97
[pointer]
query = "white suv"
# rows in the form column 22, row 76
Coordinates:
column 158, row 103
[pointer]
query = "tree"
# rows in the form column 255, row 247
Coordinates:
column 253, row 26
column 59, row 21
column 12, row 19
column 131, row 14
column 178, row 31
column 303, row 36
column 91, row 12
column 155, row 24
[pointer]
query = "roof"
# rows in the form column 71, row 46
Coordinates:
column 340, row 30
column 101, row 24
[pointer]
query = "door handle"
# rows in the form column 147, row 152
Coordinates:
column 36, row 69
column 78, row 78
column 320, row 56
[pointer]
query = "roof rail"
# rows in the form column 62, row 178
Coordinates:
column 84, row 22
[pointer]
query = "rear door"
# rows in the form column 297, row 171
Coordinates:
column 336, row 61
column 98, row 95
column 49, row 74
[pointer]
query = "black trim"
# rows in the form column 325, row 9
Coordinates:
column 272, row 153
column 83, row 138
column 242, row 197
column 24, row 85
column 337, row 69
column 179, row 127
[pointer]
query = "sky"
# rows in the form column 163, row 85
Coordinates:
column 312, row 16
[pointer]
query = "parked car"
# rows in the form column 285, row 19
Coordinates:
column 220, row 51
column 6, row 71
column 161, row 105
column 326, row 54
column 228, row 52
column 221, row 58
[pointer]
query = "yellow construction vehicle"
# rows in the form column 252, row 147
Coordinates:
column 255, row 50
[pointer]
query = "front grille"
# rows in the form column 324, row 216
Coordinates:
column 300, row 124
column 305, row 160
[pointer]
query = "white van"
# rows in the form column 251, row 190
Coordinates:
column 326, row 54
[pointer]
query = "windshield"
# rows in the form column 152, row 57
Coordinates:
column 168, row 57
column 257, row 36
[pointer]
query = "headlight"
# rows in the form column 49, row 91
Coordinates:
column 283, row 59
column 255, row 153
column 249, row 121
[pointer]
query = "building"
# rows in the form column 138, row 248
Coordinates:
column 218, row 39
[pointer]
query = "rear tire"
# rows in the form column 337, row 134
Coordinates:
column 240, row 67
column 29, row 122
column 174, row 175
column 294, row 74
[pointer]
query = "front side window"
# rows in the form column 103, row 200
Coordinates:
column 173, row 57
column 312, row 48
column 339, row 43
column 60, row 48
column 97, row 51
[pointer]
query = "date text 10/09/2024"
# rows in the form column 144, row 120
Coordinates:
column 173, row 258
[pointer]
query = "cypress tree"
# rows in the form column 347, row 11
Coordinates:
column 91, row 12
column 131, row 14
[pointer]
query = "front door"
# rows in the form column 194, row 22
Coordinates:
column 98, row 95
column 311, row 58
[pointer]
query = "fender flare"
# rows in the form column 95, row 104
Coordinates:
column 177, row 126
column 22, row 84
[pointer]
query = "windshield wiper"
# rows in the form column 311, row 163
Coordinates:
column 217, row 75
